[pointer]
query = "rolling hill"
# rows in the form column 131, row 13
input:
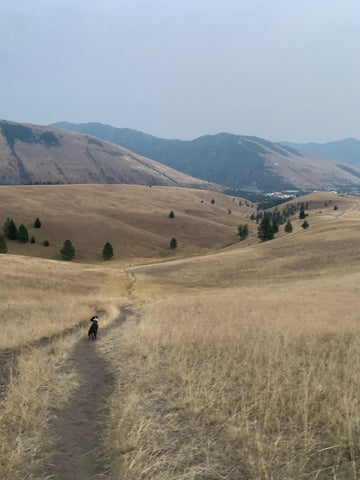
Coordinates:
column 36, row 154
column 236, row 161
column 133, row 218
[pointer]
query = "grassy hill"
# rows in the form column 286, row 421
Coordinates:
column 241, row 363
column 237, row 161
column 133, row 218
column 37, row 154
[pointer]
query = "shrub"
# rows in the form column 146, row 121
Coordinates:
column 173, row 243
column 171, row 214
column 46, row 243
column 212, row 201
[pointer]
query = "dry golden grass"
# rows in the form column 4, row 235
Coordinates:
column 245, row 363
column 242, row 364
column 41, row 384
column 41, row 298
column 133, row 218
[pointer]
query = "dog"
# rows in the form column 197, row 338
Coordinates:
column 93, row 329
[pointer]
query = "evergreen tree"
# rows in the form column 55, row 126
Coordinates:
column 67, row 251
column 108, row 251
column 288, row 227
column 32, row 240
column 302, row 214
column 3, row 246
column 37, row 223
column 243, row 231
column 22, row 234
column 265, row 231
column 6, row 227
column 46, row 243
column 171, row 214
column 12, row 231
column 173, row 243
column 275, row 227
column 305, row 225
column 212, row 201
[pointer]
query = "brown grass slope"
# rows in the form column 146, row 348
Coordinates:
column 39, row 154
column 133, row 218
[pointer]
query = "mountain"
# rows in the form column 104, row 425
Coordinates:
column 343, row 151
column 236, row 161
column 38, row 154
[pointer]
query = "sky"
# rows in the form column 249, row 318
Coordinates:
column 279, row 69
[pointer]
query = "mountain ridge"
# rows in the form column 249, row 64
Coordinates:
column 236, row 161
column 45, row 154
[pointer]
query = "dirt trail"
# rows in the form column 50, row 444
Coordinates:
column 78, row 428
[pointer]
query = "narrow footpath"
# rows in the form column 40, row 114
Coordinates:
column 79, row 427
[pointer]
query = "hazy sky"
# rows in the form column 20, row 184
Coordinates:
column 278, row 69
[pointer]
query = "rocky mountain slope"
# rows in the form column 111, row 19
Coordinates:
column 38, row 154
column 237, row 161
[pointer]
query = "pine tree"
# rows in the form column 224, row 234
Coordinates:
column 22, row 234
column 173, row 243
column 10, row 230
column 67, row 251
column 108, row 251
column 265, row 231
column 37, row 223
column 288, row 227
column 302, row 214
column 3, row 246
column 46, row 243
column 32, row 239
column 305, row 225
column 243, row 231
column 171, row 214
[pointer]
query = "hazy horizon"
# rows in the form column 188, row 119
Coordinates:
column 284, row 71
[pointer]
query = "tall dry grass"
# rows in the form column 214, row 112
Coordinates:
column 240, row 383
column 43, row 382
column 41, row 298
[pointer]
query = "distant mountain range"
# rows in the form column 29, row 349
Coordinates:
column 38, row 154
column 236, row 161
column 343, row 151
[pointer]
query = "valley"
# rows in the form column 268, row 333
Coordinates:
column 237, row 362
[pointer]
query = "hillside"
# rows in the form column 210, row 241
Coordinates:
column 236, row 161
column 344, row 151
column 133, row 218
column 242, row 363
column 37, row 154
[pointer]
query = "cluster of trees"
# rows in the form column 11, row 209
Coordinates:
column 67, row 252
